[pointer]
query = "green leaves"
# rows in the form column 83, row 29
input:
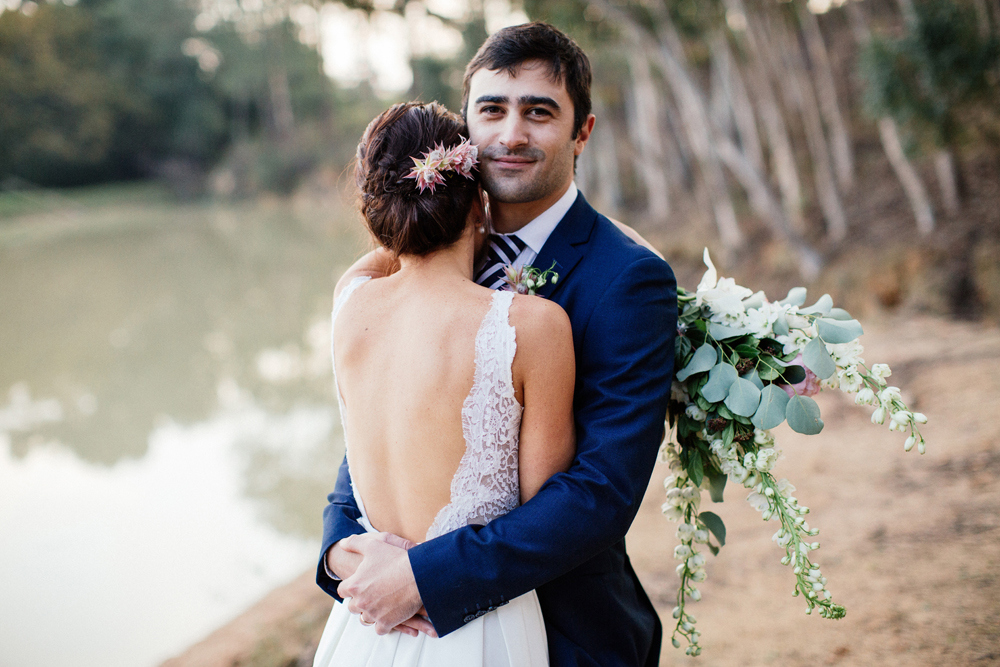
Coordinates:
column 817, row 359
column 796, row 297
column 821, row 307
column 743, row 398
column 695, row 468
column 714, row 524
column 720, row 378
column 704, row 358
column 802, row 414
column 716, row 484
column 722, row 332
column 771, row 411
column 838, row 331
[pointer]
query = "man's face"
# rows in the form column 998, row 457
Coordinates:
column 523, row 125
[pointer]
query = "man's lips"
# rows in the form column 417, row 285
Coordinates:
column 512, row 162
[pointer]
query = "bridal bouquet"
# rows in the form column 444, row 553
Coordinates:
column 745, row 365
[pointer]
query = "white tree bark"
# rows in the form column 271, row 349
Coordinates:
column 826, row 89
column 944, row 165
column 647, row 137
column 912, row 185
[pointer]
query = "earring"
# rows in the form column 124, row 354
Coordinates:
column 481, row 229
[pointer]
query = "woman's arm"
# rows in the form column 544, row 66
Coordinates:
column 378, row 263
column 545, row 372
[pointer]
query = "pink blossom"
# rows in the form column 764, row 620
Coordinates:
column 809, row 386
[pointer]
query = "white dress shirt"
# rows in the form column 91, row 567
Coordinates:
column 537, row 232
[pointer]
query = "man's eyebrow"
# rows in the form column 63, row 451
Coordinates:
column 532, row 100
column 492, row 99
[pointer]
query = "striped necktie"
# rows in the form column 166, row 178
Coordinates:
column 503, row 250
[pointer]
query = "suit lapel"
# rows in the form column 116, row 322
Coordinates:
column 562, row 245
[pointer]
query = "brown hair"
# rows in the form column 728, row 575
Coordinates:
column 403, row 219
column 509, row 48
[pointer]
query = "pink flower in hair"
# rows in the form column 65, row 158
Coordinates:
column 428, row 172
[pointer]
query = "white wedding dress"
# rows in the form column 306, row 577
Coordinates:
column 484, row 487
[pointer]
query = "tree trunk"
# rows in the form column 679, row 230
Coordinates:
column 647, row 137
column 734, row 92
column 914, row 188
column 826, row 89
column 802, row 92
column 944, row 165
column 604, row 181
column 912, row 185
column 782, row 155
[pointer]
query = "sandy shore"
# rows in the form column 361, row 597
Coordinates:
column 910, row 544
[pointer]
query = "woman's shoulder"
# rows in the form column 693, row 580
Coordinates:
column 539, row 323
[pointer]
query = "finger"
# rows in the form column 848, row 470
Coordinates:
column 419, row 624
column 406, row 630
column 351, row 544
column 353, row 607
column 397, row 541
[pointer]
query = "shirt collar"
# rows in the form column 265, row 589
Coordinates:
column 537, row 232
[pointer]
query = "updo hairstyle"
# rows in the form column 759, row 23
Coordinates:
column 403, row 219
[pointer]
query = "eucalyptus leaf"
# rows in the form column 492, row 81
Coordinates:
column 838, row 331
column 793, row 374
column 724, row 412
column 802, row 414
column 755, row 378
column 817, row 359
column 714, row 549
column 716, row 485
column 743, row 398
column 747, row 351
column 728, row 433
column 714, row 524
column 768, row 369
column 719, row 379
column 722, row 332
column 780, row 326
column 704, row 358
column 755, row 301
column 695, row 468
column 771, row 411
column 839, row 314
column 796, row 297
column 821, row 307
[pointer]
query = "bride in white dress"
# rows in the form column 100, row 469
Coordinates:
column 456, row 400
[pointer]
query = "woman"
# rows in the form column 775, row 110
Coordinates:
column 456, row 400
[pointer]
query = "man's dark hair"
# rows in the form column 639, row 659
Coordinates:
column 511, row 47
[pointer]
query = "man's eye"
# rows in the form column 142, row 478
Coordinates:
column 539, row 111
column 490, row 109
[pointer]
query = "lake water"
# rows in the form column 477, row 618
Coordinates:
column 167, row 428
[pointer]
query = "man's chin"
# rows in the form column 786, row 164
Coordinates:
column 519, row 190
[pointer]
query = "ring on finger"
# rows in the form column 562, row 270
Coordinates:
column 365, row 623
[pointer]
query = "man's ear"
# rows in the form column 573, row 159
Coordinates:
column 584, row 134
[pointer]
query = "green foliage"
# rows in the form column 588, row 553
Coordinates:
column 927, row 78
column 714, row 523
column 802, row 414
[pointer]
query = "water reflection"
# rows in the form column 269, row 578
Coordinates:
column 167, row 434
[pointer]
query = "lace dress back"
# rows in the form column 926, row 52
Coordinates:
column 485, row 485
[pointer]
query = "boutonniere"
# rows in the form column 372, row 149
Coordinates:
column 528, row 279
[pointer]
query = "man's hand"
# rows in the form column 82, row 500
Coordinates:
column 382, row 587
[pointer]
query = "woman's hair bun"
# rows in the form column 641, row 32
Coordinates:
column 405, row 220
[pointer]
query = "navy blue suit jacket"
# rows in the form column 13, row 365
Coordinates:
column 568, row 541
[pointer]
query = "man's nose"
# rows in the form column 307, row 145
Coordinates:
column 514, row 133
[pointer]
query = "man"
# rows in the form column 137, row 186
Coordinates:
column 527, row 103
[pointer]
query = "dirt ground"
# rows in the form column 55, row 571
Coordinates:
column 910, row 544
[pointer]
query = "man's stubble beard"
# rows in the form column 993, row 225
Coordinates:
column 530, row 187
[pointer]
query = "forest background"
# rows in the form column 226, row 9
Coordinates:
column 852, row 145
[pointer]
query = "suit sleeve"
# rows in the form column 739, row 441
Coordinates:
column 340, row 520
column 624, row 370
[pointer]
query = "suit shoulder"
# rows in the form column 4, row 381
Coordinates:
column 614, row 252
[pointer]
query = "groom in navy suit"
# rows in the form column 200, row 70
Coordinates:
column 527, row 103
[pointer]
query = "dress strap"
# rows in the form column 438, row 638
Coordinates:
column 341, row 299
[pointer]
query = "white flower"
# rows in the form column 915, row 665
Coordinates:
column 766, row 459
column 672, row 512
column 910, row 441
column 695, row 413
column 919, row 418
column 708, row 280
column 878, row 417
column 682, row 552
column 785, row 487
column 762, row 438
column 758, row 501
column 699, row 575
column 850, row 380
column 865, row 396
column 880, row 372
column 761, row 320
column 888, row 395
column 701, row 536
column 685, row 532
column 794, row 341
column 695, row 594
column 846, row 354
column 696, row 561
column 902, row 418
